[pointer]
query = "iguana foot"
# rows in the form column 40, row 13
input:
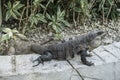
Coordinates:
column 88, row 55
column 39, row 60
column 88, row 63
column 83, row 55
column 46, row 57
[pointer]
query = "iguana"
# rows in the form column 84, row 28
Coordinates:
column 65, row 49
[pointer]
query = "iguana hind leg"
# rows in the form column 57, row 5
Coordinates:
column 47, row 56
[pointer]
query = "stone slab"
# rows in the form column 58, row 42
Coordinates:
column 5, row 65
column 117, row 70
column 76, row 62
column 113, row 50
column 20, row 67
column 99, row 72
column 23, row 69
column 117, row 44
column 104, row 55
column 24, row 65
column 95, row 59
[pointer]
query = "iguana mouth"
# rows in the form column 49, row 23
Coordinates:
column 100, row 32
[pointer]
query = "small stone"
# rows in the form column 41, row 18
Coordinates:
column 11, row 51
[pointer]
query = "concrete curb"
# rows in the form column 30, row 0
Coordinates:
column 106, row 59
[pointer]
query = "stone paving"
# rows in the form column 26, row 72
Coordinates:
column 106, row 60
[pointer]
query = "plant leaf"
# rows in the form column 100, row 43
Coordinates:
column 6, row 30
column 5, row 37
column 16, row 3
column 15, row 31
column 18, row 6
column 65, row 23
column 10, row 34
column 56, row 28
column 8, row 15
column 48, row 16
column 16, row 13
column 21, row 36
column 13, row 14
column 42, row 6
column 9, row 5
column 41, row 17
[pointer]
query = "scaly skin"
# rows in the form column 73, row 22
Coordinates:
column 62, row 51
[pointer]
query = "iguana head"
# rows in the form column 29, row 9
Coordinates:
column 93, row 34
column 98, row 32
column 95, row 38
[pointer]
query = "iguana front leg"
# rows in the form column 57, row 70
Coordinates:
column 87, row 55
column 47, row 56
column 83, row 55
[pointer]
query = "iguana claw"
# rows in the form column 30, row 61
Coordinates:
column 46, row 57
column 88, row 63
column 39, row 60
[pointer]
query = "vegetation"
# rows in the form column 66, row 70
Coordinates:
column 8, row 38
column 55, row 15
column 18, row 17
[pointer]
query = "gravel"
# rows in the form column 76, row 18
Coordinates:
column 111, row 29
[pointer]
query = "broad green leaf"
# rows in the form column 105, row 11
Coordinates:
column 110, row 1
column 35, row 20
column 58, row 11
column 36, row 0
column 48, row 16
column 53, row 19
column 50, row 23
column 52, row 1
column 8, row 15
column 16, row 3
column 13, row 14
column 21, row 36
column 62, row 14
column 35, row 4
column 42, row 6
column 10, row 34
column 56, row 28
column 59, row 25
column 118, row 10
column 43, row 20
column 15, row 31
column 77, row 9
column 18, row 6
column 6, row 30
column 66, row 23
column 41, row 17
column 9, row 6
column 5, row 37
column 16, row 13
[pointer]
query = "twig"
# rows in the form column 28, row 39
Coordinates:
column 51, row 39
column 46, row 7
column 109, row 10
